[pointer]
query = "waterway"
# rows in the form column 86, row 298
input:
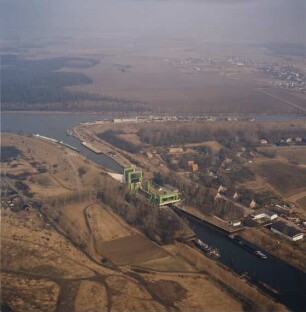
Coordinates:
column 55, row 126
column 290, row 281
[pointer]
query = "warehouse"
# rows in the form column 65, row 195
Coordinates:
column 287, row 231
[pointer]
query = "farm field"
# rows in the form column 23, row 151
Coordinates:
column 287, row 179
column 302, row 202
column 294, row 154
column 165, row 89
column 290, row 96
column 130, row 250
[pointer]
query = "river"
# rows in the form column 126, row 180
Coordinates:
column 290, row 281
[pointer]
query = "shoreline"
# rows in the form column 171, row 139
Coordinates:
column 257, row 117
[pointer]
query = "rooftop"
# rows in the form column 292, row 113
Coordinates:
column 285, row 229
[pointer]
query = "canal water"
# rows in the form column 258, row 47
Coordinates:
column 290, row 281
column 55, row 126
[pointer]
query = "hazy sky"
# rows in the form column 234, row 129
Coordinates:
column 218, row 20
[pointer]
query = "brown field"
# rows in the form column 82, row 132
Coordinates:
column 302, row 203
column 61, row 164
column 214, row 145
column 294, row 97
column 91, row 296
column 294, row 154
column 175, row 289
column 29, row 294
column 166, row 89
column 130, row 250
column 287, row 179
column 168, row 264
column 105, row 225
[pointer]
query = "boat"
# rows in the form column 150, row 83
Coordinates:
column 260, row 254
column 68, row 132
column 248, row 247
column 210, row 251
column 260, row 284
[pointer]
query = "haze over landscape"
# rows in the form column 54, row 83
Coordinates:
column 153, row 155
column 225, row 21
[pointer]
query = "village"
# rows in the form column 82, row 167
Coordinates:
column 225, row 168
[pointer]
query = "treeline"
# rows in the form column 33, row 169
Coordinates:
column 51, row 64
column 38, row 85
column 227, row 134
column 77, row 106
column 112, row 137
column 201, row 197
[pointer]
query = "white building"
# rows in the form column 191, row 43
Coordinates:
column 267, row 214
column 258, row 216
column 287, row 231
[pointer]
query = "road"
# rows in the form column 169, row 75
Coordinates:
column 282, row 100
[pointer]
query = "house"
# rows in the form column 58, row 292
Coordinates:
column 217, row 196
column 232, row 194
column 252, row 204
column 175, row 150
column 235, row 223
column 266, row 214
column 221, row 188
column 236, row 195
column 258, row 216
column 287, row 231
column 149, row 154
column 190, row 162
column 195, row 167
column 271, row 215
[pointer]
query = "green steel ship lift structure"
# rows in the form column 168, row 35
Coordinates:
column 160, row 195
column 133, row 178
column 157, row 195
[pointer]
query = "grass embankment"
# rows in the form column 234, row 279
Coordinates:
column 293, row 253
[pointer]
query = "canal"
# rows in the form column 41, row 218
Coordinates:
column 55, row 125
column 289, row 281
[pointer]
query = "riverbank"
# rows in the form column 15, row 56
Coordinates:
column 114, row 114
column 293, row 253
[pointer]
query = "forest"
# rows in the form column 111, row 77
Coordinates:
column 112, row 137
column 39, row 85
column 226, row 134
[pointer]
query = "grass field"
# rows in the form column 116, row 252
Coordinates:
column 287, row 179
column 295, row 154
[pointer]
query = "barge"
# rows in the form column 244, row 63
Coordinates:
column 210, row 251
column 238, row 240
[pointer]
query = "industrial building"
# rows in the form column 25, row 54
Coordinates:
column 133, row 178
column 160, row 195
column 287, row 231
column 156, row 194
